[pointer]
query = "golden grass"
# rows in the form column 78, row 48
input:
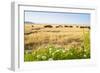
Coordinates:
column 60, row 37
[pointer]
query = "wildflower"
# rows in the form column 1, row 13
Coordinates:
column 43, row 57
column 85, row 50
column 53, row 53
column 38, row 56
column 50, row 59
column 50, row 49
column 63, row 51
column 57, row 50
column 84, row 55
column 71, row 53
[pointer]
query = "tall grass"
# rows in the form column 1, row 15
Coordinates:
column 57, row 44
column 53, row 53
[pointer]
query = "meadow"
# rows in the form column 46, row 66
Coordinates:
column 44, row 42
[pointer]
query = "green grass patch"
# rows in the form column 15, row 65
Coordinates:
column 54, row 53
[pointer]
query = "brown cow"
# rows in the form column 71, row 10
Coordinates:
column 85, row 27
column 48, row 26
column 66, row 26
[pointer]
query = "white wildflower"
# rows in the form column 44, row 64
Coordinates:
column 43, row 57
column 50, row 49
column 38, row 56
column 85, row 50
column 84, row 55
column 53, row 53
column 50, row 59
column 63, row 51
column 57, row 50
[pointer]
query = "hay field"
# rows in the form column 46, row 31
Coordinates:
column 42, row 41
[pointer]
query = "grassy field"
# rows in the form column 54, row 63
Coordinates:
column 56, row 42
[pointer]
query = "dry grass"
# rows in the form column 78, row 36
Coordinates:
column 56, row 42
column 36, row 36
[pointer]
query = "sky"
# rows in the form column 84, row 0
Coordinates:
column 56, row 17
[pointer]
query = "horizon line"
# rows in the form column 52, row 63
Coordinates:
column 56, row 23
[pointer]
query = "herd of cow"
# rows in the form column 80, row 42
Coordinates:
column 70, row 26
column 61, row 26
column 56, row 26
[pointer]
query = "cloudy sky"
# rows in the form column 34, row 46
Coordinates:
column 56, row 17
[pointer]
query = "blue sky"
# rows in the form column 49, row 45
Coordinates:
column 57, row 18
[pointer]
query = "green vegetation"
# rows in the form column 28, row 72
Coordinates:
column 53, row 53
column 56, row 42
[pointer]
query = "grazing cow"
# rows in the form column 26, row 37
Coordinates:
column 85, row 27
column 59, row 26
column 66, row 26
column 82, row 26
column 70, row 26
column 48, row 26
column 88, row 27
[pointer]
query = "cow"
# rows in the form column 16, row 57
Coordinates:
column 70, row 26
column 85, row 27
column 48, row 26
column 66, row 26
